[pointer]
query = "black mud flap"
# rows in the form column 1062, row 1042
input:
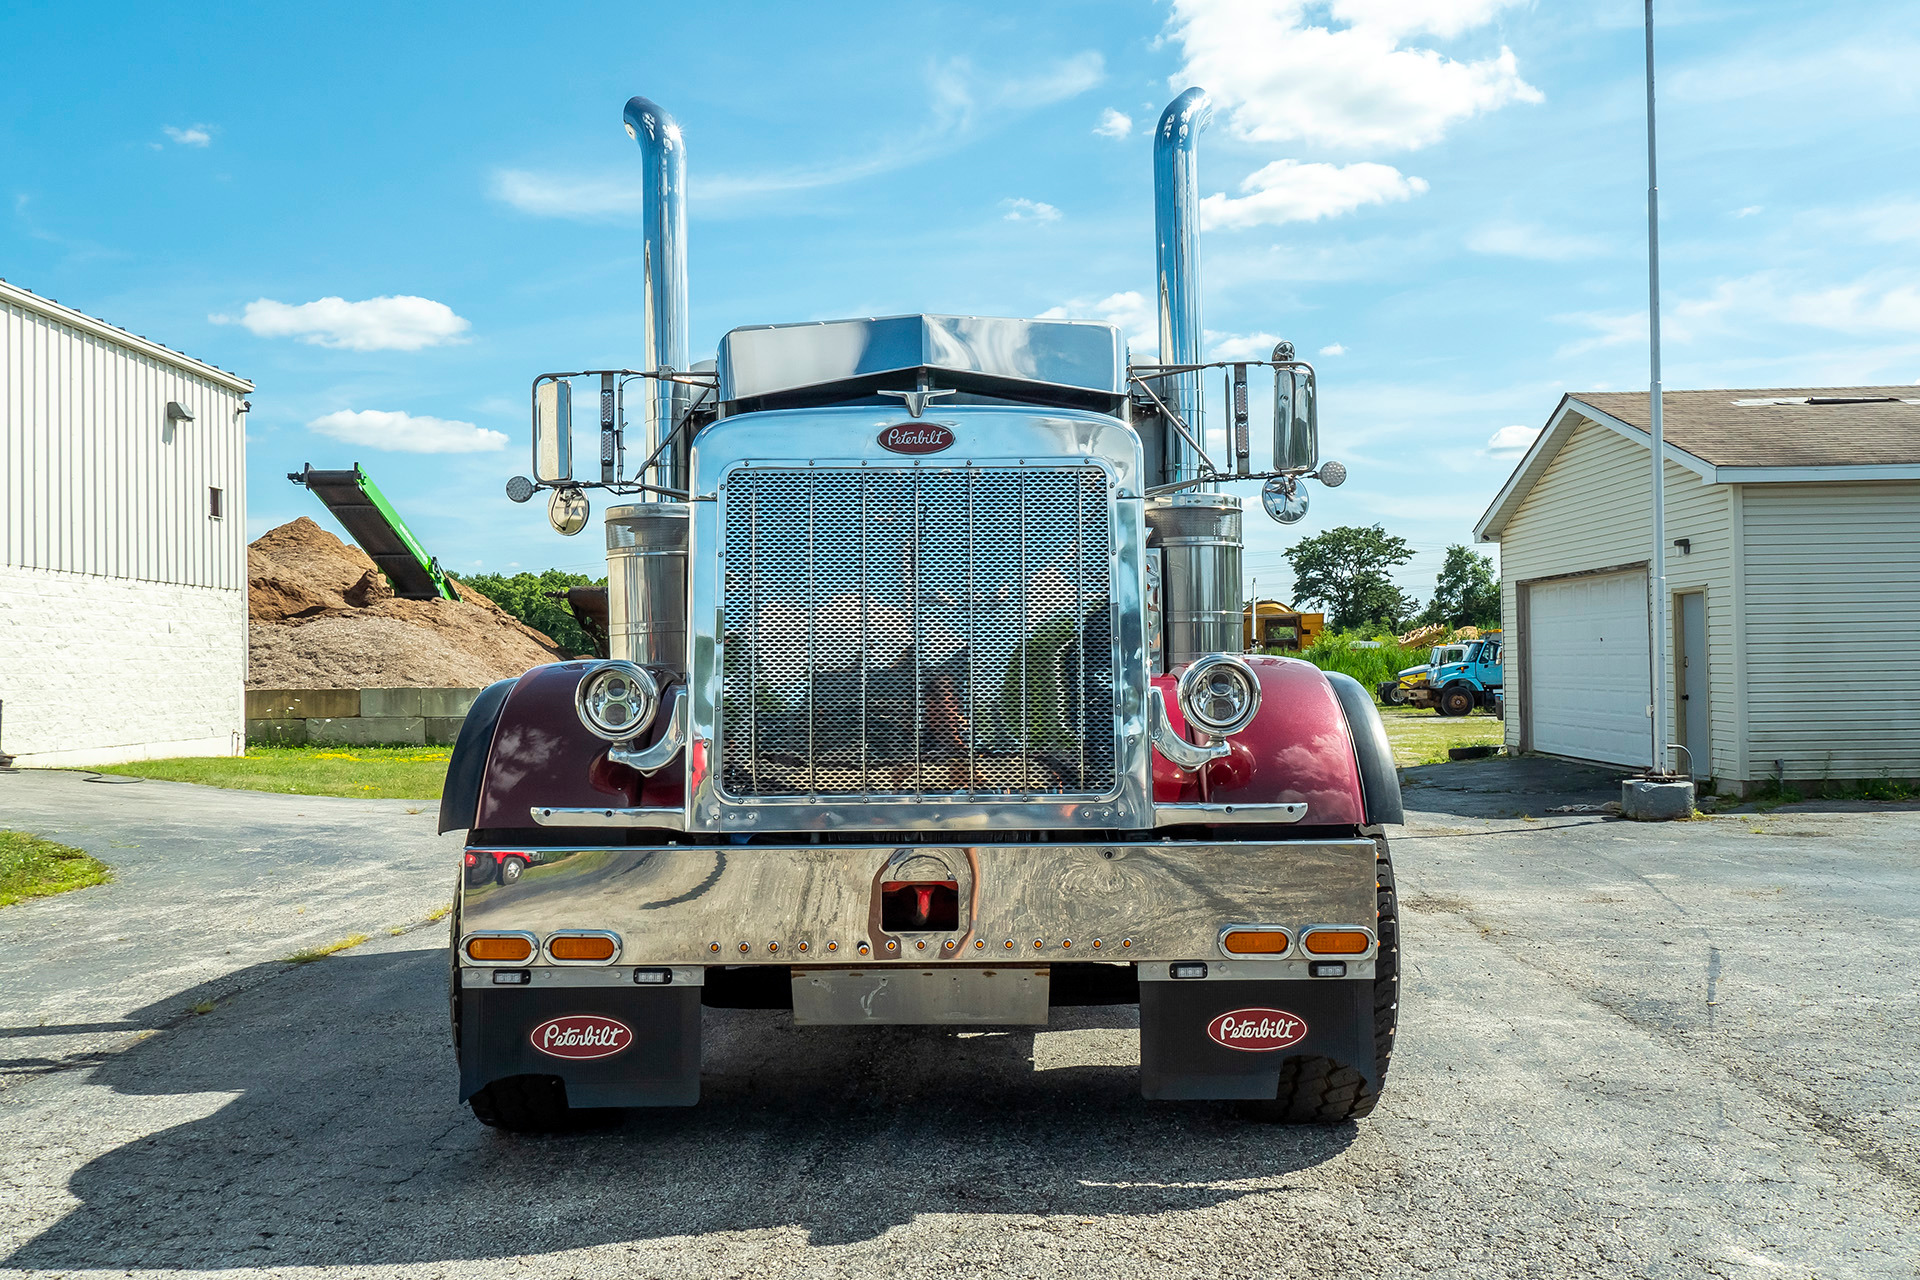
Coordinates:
column 614, row 1046
column 1187, row 1028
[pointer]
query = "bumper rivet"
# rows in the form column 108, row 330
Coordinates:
column 744, row 948
column 949, row 944
column 801, row 947
column 979, row 944
column 921, row 945
column 833, row 946
column 1096, row 944
column 892, row 945
column 773, row 948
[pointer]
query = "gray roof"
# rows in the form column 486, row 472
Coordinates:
column 1787, row 434
column 1749, row 429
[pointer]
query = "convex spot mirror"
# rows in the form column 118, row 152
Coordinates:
column 1296, row 414
column 567, row 511
column 552, row 431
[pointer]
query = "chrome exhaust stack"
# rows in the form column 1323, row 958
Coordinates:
column 1176, row 226
column 647, row 540
column 663, row 234
column 1196, row 532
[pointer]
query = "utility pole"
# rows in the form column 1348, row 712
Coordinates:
column 1659, row 683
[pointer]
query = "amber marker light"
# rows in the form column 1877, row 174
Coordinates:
column 1337, row 942
column 1254, row 942
column 582, row 948
column 510, row 950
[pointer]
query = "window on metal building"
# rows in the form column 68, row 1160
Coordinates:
column 216, row 503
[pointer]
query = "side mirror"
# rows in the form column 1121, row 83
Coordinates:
column 552, row 430
column 1296, row 414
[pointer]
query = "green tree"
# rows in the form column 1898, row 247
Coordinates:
column 1346, row 571
column 526, row 597
column 1467, row 592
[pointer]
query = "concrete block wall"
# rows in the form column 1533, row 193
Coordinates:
column 356, row 717
column 100, row 670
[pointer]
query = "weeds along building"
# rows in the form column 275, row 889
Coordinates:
column 123, row 549
column 1793, row 577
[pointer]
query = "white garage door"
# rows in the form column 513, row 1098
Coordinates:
column 1587, row 658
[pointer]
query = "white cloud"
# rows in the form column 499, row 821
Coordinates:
column 1333, row 349
column 1293, row 191
column 1130, row 311
column 1240, row 346
column 1113, row 124
column 403, row 323
column 962, row 102
column 1024, row 210
column 399, row 432
column 1509, row 442
column 1279, row 79
column 1747, row 212
column 192, row 136
column 1525, row 240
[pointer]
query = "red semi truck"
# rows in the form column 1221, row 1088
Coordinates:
column 924, row 704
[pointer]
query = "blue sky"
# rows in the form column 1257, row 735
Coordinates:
column 1441, row 201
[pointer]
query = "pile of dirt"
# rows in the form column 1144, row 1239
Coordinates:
column 324, row 617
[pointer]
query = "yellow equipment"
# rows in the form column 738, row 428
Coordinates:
column 1271, row 625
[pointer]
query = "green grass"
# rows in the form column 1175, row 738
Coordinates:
column 34, row 868
column 1422, row 737
column 1371, row 667
column 378, row 773
column 311, row 954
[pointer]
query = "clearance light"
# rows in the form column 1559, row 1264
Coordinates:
column 512, row 977
column 582, row 948
column 500, row 948
column 653, row 977
column 1254, row 940
column 1191, row 969
column 1337, row 942
column 1328, row 968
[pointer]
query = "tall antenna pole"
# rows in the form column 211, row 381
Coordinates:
column 1659, row 756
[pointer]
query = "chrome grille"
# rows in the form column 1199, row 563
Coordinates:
column 893, row 633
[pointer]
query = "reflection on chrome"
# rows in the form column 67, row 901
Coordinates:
column 891, row 632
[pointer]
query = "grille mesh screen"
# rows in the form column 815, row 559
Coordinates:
column 894, row 633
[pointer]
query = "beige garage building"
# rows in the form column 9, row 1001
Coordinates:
column 1793, row 571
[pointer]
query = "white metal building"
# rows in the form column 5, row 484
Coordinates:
column 1793, row 571
column 123, row 548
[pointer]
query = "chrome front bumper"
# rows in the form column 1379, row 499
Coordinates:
column 1018, row 904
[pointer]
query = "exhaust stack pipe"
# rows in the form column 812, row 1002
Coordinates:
column 1196, row 530
column 1176, row 225
column 663, row 155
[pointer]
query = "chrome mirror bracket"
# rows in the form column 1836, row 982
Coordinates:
column 1182, row 753
column 650, row 760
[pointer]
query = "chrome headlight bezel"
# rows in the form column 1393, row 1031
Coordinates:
column 643, row 697
column 1194, row 680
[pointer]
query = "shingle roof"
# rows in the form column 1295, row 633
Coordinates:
column 1750, row 429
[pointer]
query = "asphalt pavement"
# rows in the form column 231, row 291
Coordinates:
column 1679, row 1050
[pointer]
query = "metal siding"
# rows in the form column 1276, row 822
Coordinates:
column 90, row 485
column 1590, row 510
column 1833, row 628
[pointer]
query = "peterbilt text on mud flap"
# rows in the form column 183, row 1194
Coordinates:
column 925, row 706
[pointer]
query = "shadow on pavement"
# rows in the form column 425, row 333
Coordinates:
column 1507, row 786
column 344, row 1143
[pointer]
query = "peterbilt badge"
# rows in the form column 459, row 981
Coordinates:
column 916, row 437
column 1257, row 1030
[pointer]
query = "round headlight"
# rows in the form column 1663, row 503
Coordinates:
column 616, row 700
column 1219, row 694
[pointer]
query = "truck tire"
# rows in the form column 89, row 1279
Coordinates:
column 1391, row 694
column 526, row 1104
column 1457, row 700
column 1316, row 1090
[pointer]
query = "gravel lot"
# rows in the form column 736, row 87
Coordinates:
column 1681, row 1050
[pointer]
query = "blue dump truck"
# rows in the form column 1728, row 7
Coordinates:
column 1461, row 677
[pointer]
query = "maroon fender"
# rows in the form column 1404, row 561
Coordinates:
column 542, row 755
column 1298, row 750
